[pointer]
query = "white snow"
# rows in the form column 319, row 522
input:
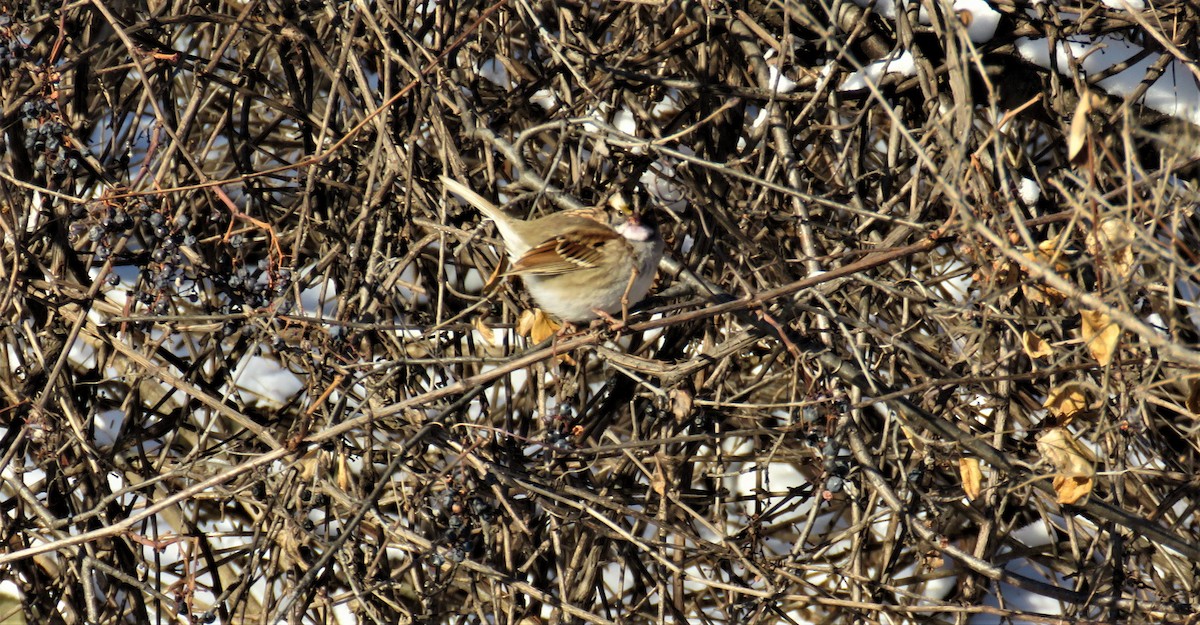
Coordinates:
column 981, row 26
column 1029, row 191
column 1175, row 93
column 901, row 63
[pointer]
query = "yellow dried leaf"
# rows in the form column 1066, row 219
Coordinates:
column 525, row 322
column 1101, row 335
column 485, row 331
column 1112, row 245
column 1051, row 252
column 1005, row 273
column 1035, row 346
column 915, row 440
column 536, row 325
column 1071, row 489
column 1039, row 292
column 1043, row 294
column 1066, row 401
column 495, row 277
column 344, row 473
column 972, row 477
column 1074, row 463
column 1078, row 132
column 1192, row 403
column 543, row 328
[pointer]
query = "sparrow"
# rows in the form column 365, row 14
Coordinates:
column 579, row 265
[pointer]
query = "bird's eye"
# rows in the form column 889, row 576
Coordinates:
column 620, row 203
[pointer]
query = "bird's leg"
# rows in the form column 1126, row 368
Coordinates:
column 633, row 275
column 616, row 325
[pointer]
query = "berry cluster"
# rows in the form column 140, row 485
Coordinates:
column 255, row 284
column 47, row 142
column 153, row 243
column 463, row 512
column 12, row 50
column 166, row 270
column 561, row 433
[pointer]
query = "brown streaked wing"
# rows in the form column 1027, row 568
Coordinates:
column 580, row 250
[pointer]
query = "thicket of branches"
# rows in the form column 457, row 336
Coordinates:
column 251, row 372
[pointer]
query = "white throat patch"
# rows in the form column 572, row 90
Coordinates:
column 635, row 231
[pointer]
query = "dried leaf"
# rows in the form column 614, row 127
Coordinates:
column 915, row 439
column 1035, row 346
column 665, row 468
column 495, row 277
column 536, row 325
column 485, row 331
column 1074, row 463
column 525, row 322
column 307, row 466
column 658, row 481
column 1006, row 273
column 1078, row 132
column 1112, row 245
column 1070, row 400
column 1073, row 488
column 1043, row 294
column 1101, row 335
column 1192, row 403
column 1049, row 254
column 972, row 478
column 344, row 473
column 681, row 404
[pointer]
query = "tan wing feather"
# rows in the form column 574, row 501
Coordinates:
column 563, row 254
